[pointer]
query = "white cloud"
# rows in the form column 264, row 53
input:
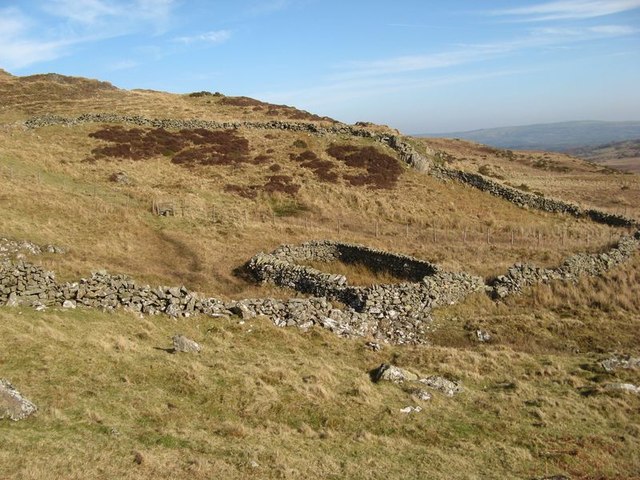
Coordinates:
column 568, row 9
column 215, row 37
column 82, row 11
column 92, row 12
column 546, row 37
column 24, row 42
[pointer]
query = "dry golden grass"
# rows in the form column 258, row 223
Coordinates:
column 553, row 174
column 114, row 404
column 300, row 405
column 51, row 196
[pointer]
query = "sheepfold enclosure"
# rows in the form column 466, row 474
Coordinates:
column 418, row 286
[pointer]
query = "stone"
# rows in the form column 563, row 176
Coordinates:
column 376, row 347
column 12, row 301
column 622, row 387
column 12, row 404
column 422, row 394
column 620, row 361
column 242, row 311
column 448, row 387
column 184, row 344
column 483, row 336
column 69, row 304
column 410, row 409
column 391, row 373
column 120, row 177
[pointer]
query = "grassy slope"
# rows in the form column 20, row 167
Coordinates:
column 621, row 155
column 301, row 404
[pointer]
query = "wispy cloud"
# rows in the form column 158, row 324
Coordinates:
column 24, row 42
column 370, row 78
column 544, row 37
column 568, row 10
column 82, row 11
column 214, row 37
column 17, row 49
column 269, row 6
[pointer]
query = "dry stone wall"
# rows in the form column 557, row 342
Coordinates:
column 405, row 151
column 521, row 276
column 524, row 199
column 397, row 313
column 427, row 286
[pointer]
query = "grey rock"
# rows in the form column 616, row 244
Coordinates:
column 242, row 311
column 620, row 361
column 184, row 344
column 448, row 387
column 410, row 409
column 12, row 301
column 622, row 387
column 483, row 336
column 12, row 404
column 69, row 304
column 391, row 373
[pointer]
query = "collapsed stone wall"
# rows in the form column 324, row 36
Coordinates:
column 22, row 283
column 427, row 286
column 521, row 275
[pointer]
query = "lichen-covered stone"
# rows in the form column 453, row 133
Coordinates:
column 12, row 404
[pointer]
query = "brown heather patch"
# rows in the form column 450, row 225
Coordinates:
column 186, row 147
column 382, row 170
column 272, row 110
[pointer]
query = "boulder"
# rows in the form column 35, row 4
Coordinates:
column 12, row 404
column 184, row 344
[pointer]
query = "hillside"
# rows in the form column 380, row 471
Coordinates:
column 621, row 155
column 172, row 198
column 557, row 137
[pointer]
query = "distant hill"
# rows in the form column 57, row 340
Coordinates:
column 551, row 136
column 621, row 155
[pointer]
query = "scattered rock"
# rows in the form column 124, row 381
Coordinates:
column 422, row 395
column 483, row 336
column 376, row 347
column 184, row 344
column 391, row 373
column 69, row 304
column 448, row 387
column 411, row 409
column 622, row 387
column 120, row 177
column 12, row 404
column 620, row 361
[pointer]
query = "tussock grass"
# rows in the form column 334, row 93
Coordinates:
column 114, row 404
column 301, row 405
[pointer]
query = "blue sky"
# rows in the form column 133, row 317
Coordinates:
column 420, row 66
